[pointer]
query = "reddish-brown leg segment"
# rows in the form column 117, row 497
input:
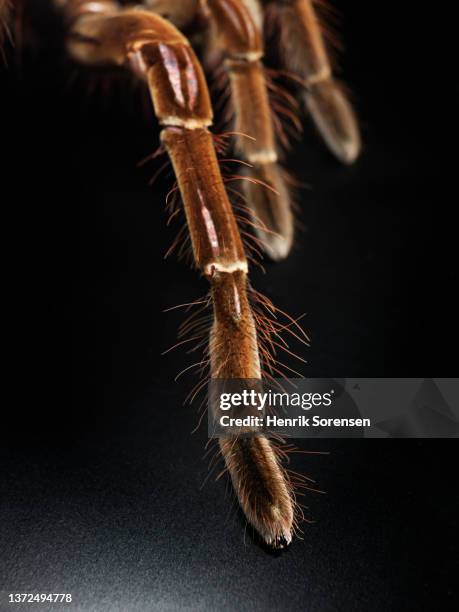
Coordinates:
column 157, row 51
column 237, row 33
column 304, row 53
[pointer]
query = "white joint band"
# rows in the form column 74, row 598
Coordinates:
column 324, row 75
column 228, row 268
column 266, row 156
column 189, row 124
column 249, row 57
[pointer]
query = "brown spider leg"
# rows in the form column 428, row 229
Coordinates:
column 237, row 33
column 156, row 50
column 304, row 53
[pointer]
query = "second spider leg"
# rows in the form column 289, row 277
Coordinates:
column 237, row 33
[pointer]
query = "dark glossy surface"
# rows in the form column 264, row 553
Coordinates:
column 100, row 477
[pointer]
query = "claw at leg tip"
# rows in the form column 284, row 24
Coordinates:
column 279, row 542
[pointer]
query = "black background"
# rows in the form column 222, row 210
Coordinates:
column 101, row 478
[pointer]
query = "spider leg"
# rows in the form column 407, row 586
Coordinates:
column 303, row 52
column 159, row 53
column 238, row 34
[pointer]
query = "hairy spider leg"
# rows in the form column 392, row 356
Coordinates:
column 156, row 50
column 304, row 53
column 237, row 33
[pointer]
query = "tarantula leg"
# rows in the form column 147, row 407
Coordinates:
column 162, row 55
column 237, row 33
column 304, row 53
column 258, row 479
